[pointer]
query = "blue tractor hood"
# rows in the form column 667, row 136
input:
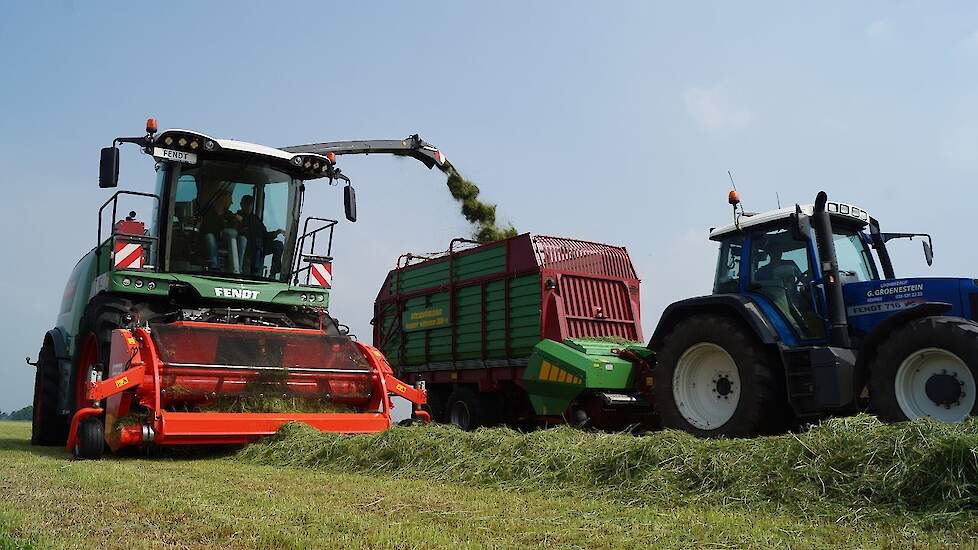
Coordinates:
column 869, row 303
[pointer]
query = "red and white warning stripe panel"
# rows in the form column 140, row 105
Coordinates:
column 322, row 274
column 128, row 255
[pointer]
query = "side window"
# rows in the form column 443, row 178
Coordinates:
column 728, row 266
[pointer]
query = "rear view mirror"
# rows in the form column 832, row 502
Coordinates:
column 350, row 202
column 928, row 252
column 108, row 168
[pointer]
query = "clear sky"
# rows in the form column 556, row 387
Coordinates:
column 607, row 121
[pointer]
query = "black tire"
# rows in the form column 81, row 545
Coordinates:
column 762, row 404
column 48, row 428
column 953, row 334
column 90, row 444
column 466, row 409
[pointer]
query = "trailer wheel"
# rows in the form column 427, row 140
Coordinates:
column 714, row 379
column 91, row 439
column 48, row 428
column 466, row 410
column 928, row 367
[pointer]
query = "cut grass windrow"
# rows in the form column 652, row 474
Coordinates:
column 844, row 466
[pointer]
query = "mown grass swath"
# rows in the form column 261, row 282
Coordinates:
column 842, row 466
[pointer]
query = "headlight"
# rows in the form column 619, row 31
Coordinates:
column 126, row 281
column 151, row 285
column 139, row 283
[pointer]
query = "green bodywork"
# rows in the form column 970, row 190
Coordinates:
column 559, row 371
column 420, row 336
column 422, row 333
column 92, row 276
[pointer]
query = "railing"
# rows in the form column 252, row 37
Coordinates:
column 143, row 240
column 310, row 237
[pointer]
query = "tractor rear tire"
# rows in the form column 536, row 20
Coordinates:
column 91, row 439
column 48, row 428
column 928, row 367
column 714, row 379
column 467, row 410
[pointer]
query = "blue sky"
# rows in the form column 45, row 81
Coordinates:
column 607, row 121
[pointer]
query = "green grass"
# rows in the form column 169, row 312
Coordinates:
column 384, row 498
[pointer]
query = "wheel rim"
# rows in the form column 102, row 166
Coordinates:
column 460, row 415
column 706, row 386
column 935, row 382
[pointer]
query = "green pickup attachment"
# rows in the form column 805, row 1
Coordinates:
column 558, row 372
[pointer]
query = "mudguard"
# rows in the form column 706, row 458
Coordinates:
column 735, row 305
column 882, row 330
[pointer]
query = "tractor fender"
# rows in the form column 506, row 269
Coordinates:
column 731, row 305
column 876, row 337
column 60, row 346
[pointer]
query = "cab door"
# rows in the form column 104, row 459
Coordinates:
column 781, row 271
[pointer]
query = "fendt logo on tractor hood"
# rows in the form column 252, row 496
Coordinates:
column 240, row 293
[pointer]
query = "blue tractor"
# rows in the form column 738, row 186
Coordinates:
column 807, row 319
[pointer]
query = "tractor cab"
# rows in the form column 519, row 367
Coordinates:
column 774, row 256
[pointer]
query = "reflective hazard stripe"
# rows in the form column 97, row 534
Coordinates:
column 128, row 255
column 322, row 274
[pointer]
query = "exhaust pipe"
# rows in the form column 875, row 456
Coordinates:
column 838, row 324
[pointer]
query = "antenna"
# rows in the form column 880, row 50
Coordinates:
column 778, row 195
column 733, row 198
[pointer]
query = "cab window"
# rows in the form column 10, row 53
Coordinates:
column 855, row 262
column 728, row 266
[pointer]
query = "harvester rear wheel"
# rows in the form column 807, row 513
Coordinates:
column 714, row 379
column 90, row 444
column 48, row 427
column 466, row 410
column 928, row 367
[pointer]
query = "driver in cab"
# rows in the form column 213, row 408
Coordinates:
column 218, row 226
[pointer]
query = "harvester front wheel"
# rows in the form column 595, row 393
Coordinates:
column 928, row 367
column 714, row 379
column 90, row 444
column 48, row 427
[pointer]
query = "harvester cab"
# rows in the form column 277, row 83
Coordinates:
column 207, row 322
column 807, row 318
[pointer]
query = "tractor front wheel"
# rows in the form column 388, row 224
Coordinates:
column 928, row 367
column 714, row 379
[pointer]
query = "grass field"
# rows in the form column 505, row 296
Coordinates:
column 240, row 500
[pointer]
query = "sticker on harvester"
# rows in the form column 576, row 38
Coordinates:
column 122, row 381
column 178, row 156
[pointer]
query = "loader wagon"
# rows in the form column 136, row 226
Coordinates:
column 530, row 330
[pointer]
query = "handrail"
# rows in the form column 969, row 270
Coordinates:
column 114, row 199
column 301, row 243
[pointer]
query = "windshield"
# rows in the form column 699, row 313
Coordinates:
column 232, row 219
column 855, row 262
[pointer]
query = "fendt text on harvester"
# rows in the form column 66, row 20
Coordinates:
column 209, row 324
